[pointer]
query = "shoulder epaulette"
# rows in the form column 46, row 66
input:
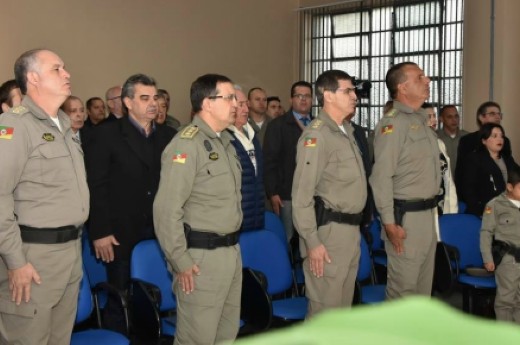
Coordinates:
column 391, row 113
column 189, row 132
column 19, row 109
column 316, row 124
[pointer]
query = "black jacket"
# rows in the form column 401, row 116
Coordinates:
column 482, row 180
column 281, row 138
column 123, row 169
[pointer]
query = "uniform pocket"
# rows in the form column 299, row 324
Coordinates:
column 506, row 219
column 55, row 162
column 27, row 310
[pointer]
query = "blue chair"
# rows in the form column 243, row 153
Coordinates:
column 95, row 270
column 274, row 224
column 264, row 252
column 92, row 336
column 367, row 293
column 462, row 207
column 153, row 300
column 461, row 233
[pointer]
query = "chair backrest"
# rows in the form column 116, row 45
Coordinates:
column 462, row 207
column 95, row 268
column 149, row 264
column 462, row 231
column 375, row 230
column 263, row 251
column 274, row 224
column 85, row 304
column 365, row 263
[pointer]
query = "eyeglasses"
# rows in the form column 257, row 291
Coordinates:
column 302, row 97
column 228, row 98
column 494, row 114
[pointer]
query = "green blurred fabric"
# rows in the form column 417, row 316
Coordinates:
column 414, row 320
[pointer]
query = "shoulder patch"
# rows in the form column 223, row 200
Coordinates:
column 391, row 113
column 310, row 142
column 19, row 109
column 189, row 132
column 488, row 210
column 316, row 124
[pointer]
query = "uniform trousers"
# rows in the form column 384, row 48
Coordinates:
column 211, row 313
column 49, row 316
column 336, row 287
column 507, row 300
column 411, row 273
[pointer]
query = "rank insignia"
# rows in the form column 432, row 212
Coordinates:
column 48, row 137
column 6, row 132
column 391, row 113
column 189, row 132
column 387, row 129
column 310, row 142
column 213, row 156
column 316, row 124
column 20, row 109
column 179, row 157
column 414, row 127
column 487, row 210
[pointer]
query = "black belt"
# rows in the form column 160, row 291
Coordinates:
column 344, row 218
column 415, row 205
column 211, row 240
column 61, row 234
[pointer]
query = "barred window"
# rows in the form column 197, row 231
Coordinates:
column 366, row 38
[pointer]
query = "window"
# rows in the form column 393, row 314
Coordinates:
column 365, row 38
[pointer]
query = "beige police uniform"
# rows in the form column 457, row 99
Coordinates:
column 42, row 185
column 501, row 219
column 329, row 165
column 200, row 186
column 407, row 167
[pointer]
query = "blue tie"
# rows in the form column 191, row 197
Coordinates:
column 305, row 121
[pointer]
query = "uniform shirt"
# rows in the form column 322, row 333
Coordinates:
column 501, row 219
column 43, row 181
column 329, row 165
column 200, row 186
column 407, row 164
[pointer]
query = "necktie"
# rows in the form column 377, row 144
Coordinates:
column 305, row 121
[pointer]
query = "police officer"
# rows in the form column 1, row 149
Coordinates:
column 197, row 215
column 44, row 200
column 405, row 180
column 330, row 179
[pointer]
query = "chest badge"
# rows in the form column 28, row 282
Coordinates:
column 48, row 137
column 213, row 156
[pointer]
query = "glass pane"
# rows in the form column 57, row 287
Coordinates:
column 351, row 23
column 382, row 19
column 381, row 43
column 350, row 46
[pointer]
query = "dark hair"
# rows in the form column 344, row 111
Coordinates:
column 300, row 83
column 513, row 175
column 328, row 81
column 128, row 89
column 68, row 100
column 427, row 105
column 486, row 130
column 254, row 89
column 203, row 87
column 446, row 107
column 396, row 76
column 272, row 99
column 91, row 100
column 5, row 90
column 482, row 109
column 25, row 63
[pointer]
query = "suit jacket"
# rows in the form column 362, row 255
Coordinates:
column 362, row 142
column 467, row 144
column 123, row 169
column 482, row 180
column 281, row 138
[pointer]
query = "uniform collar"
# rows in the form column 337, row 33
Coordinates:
column 40, row 114
column 327, row 120
column 225, row 136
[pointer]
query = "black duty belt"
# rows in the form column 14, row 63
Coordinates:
column 210, row 240
column 344, row 218
column 61, row 234
column 415, row 205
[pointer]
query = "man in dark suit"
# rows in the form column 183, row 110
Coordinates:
column 279, row 148
column 123, row 168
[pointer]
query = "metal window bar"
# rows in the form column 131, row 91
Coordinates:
column 386, row 32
